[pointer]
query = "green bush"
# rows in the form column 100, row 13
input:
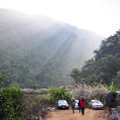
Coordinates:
column 59, row 94
column 15, row 105
column 12, row 104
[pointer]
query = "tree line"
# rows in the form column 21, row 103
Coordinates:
column 105, row 65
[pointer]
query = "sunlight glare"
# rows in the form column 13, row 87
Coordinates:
column 93, row 15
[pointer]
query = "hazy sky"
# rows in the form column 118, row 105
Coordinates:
column 100, row 16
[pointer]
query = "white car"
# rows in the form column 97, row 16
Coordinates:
column 95, row 104
column 76, row 104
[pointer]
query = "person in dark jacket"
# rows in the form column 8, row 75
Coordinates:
column 73, row 104
column 82, row 103
column 79, row 105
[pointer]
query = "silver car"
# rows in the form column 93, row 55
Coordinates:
column 95, row 104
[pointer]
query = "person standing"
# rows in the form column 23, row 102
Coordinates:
column 79, row 105
column 82, row 103
column 73, row 104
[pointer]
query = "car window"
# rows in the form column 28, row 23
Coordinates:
column 62, row 102
column 96, row 101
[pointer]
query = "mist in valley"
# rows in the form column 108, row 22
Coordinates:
column 36, row 49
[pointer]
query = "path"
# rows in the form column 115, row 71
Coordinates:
column 68, row 115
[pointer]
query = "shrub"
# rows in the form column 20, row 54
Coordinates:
column 35, row 104
column 12, row 104
column 88, row 93
column 32, row 91
column 99, row 93
column 15, row 105
column 59, row 94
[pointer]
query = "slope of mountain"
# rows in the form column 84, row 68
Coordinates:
column 105, row 65
column 38, row 50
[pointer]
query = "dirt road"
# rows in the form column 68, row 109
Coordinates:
column 68, row 115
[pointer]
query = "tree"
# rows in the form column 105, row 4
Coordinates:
column 34, row 87
column 59, row 94
column 75, row 74
column 1, row 79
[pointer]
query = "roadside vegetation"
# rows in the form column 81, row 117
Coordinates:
column 15, row 104
column 94, row 80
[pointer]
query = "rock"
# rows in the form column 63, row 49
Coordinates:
column 51, row 109
column 114, row 114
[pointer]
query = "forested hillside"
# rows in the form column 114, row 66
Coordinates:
column 105, row 65
column 38, row 50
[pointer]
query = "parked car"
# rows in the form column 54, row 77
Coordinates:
column 62, row 104
column 76, row 104
column 95, row 104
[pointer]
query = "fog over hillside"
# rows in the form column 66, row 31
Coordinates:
column 39, row 50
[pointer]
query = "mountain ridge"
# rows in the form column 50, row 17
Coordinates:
column 39, row 51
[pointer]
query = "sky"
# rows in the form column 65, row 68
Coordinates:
column 99, row 16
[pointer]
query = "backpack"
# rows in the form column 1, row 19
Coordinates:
column 73, row 104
